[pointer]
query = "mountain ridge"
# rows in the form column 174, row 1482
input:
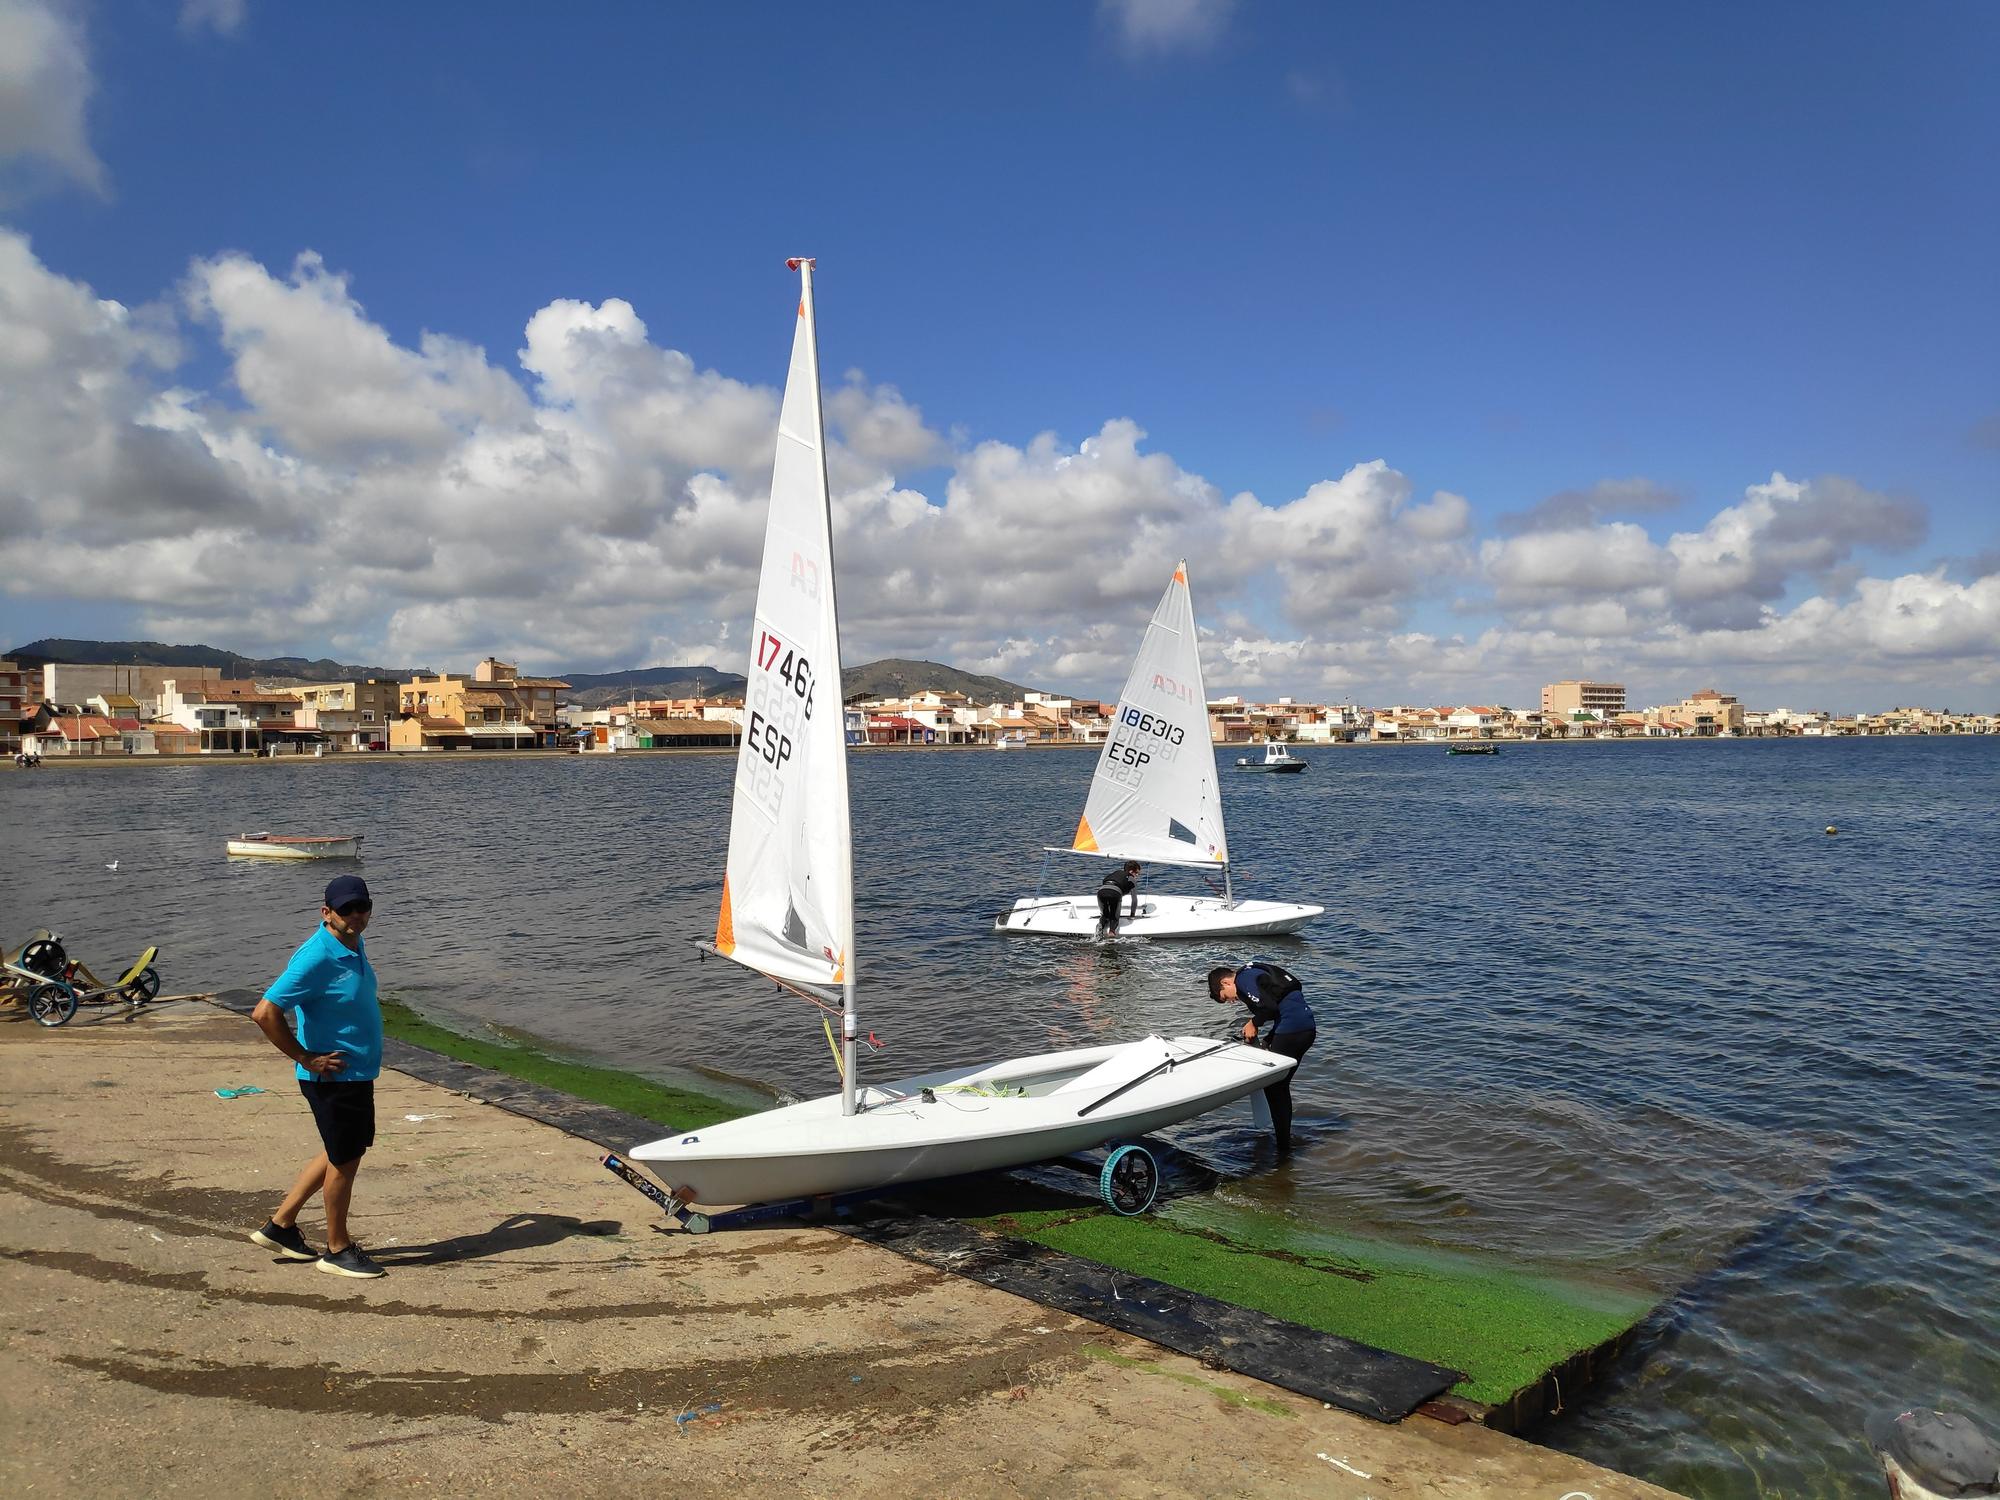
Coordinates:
column 891, row 676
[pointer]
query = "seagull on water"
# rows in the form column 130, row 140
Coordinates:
column 112, row 866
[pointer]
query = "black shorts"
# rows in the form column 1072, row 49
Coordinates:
column 345, row 1114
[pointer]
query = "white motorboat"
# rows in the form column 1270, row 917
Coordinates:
column 296, row 845
column 1277, row 757
column 788, row 913
column 1155, row 798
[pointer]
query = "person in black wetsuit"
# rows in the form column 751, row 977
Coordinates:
column 1277, row 1000
column 1118, row 885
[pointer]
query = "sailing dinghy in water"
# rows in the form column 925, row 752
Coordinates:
column 1154, row 798
column 788, row 912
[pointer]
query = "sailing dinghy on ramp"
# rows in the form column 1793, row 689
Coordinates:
column 788, row 913
column 1154, row 798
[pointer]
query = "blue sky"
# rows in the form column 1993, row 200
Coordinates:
column 1511, row 253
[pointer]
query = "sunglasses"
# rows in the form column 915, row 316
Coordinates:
column 355, row 908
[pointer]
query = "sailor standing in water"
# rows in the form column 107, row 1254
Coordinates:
column 1274, row 998
column 1118, row 885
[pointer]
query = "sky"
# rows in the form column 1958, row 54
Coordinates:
column 1458, row 348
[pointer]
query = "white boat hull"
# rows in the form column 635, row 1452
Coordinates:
column 277, row 846
column 1158, row 917
column 980, row 1119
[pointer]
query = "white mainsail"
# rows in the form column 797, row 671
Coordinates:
column 1154, row 796
column 788, row 896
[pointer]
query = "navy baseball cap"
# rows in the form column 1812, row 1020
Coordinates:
column 345, row 889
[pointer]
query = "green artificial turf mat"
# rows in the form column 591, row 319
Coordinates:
column 1505, row 1328
column 664, row 1104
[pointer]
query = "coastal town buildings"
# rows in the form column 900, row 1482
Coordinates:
column 71, row 735
column 14, row 692
column 134, row 711
column 349, row 715
column 66, row 682
column 493, row 708
column 1606, row 700
column 1703, row 714
column 229, row 716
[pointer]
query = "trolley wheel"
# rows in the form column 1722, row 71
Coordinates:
column 1130, row 1180
column 51, row 1005
column 144, row 988
column 695, row 1223
column 44, row 956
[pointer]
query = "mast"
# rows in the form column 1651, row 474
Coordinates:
column 1201, row 681
column 849, row 1020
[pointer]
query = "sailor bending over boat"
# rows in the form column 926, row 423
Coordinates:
column 1121, row 883
column 1274, row 998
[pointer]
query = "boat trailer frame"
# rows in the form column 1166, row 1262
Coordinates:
column 1127, row 1184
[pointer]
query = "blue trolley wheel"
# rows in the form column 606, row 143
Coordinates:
column 51, row 1005
column 695, row 1223
column 1130, row 1180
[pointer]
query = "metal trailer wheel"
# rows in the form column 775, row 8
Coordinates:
column 44, row 956
column 144, row 988
column 1130, row 1180
column 51, row 1005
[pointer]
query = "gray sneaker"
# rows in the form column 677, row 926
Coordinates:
column 352, row 1261
column 285, row 1239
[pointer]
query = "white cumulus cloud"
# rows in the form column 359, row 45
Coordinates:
column 45, row 88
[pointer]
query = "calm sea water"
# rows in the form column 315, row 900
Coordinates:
column 1623, row 1011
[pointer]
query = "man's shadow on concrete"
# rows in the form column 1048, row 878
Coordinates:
column 516, row 1232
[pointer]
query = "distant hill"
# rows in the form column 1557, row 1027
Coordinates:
column 159, row 654
column 875, row 679
column 888, row 678
column 894, row 678
column 602, row 689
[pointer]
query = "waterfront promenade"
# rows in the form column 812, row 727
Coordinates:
column 538, row 1330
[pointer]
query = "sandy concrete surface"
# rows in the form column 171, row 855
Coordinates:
column 538, row 1333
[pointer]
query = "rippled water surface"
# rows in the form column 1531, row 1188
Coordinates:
column 1620, row 1010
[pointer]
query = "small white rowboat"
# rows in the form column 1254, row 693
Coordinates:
column 297, row 846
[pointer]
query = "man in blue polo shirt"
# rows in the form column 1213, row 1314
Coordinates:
column 321, row 1013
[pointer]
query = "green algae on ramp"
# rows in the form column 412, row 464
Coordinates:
column 1507, row 1329
column 663, row 1104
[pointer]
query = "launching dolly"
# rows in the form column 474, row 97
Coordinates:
column 54, row 984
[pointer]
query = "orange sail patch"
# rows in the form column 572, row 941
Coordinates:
column 1085, row 839
column 725, row 925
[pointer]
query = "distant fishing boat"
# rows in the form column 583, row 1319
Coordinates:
column 297, row 845
column 1276, row 758
column 1471, row 749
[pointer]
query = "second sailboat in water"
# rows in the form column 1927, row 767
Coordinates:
column 1155, row 799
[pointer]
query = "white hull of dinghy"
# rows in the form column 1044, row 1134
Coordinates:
column 979, row 1119
column 296, row 846
column 1158, row 917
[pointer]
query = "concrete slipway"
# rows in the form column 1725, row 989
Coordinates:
column 538, row 1330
